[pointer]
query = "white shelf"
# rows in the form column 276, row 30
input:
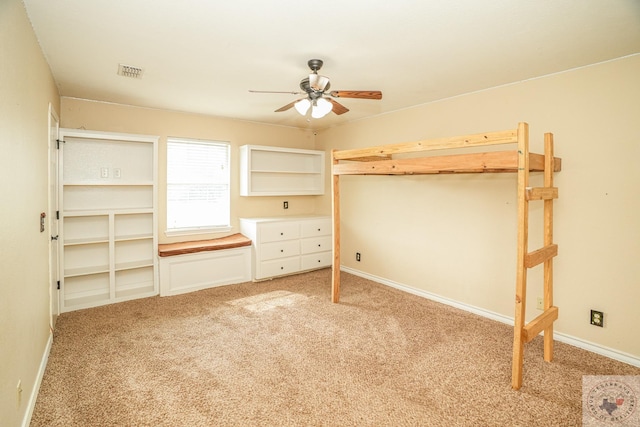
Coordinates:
column 277, row 171
column 108, row 218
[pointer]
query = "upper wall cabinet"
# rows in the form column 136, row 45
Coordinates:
column 277, row 171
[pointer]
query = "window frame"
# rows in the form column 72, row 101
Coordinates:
column 205, row 228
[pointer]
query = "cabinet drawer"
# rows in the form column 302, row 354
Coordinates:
column 316, row 227
column 321, row 259
column 278, row 267
column 284, row 249
column 278, row 231
column 316, row 244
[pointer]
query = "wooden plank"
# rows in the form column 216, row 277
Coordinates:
column 541, row 255
column 229, row 242
column 481, row 139
column 550, row 167
column 335, row 187
column 504, row 161
column 521, row 271
column 371, row 158
column 537, row 163
column 542, row 193
column 541, row 322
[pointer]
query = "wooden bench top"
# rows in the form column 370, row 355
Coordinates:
column 229, row 242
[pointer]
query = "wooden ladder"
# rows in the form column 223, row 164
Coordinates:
column 523, row 332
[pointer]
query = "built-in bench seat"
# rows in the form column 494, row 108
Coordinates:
column 234, row 241
column 200, row 264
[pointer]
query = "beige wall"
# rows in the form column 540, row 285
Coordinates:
column 26, row 89
column 455, row 235
column 102, row 116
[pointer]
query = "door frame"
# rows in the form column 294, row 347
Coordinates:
column 54, row 246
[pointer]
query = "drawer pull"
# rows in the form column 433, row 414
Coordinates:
column 281, row 250
column 318, row 229
column 281, row 268
column 318, row 245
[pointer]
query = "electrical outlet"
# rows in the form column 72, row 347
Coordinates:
column 597, row 318
column 358, row 256
column 117, row 173
column 104, row 172
column 540, row 303
column 285, row 205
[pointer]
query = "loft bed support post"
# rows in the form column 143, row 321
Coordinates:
column 549, row 166
column 521, row 274
column 335, row 187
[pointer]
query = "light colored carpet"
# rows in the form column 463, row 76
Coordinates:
column 279, row 353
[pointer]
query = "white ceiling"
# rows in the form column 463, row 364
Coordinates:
column 203, row 56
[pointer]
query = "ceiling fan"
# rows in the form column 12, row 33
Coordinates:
column 318, row 97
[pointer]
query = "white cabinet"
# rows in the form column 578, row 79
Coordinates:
column 276, row 171
column 287, row 245
column 108, row 218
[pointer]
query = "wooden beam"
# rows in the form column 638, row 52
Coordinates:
column 551, row 164
column 542, row 193
column 371, row 158
column 481, row 139
column 541, row 255
column 544, row 321
column 506, row 161
column 335, row 187
column 521, row 271
column 537, row 163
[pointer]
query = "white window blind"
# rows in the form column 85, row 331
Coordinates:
column 197, row 184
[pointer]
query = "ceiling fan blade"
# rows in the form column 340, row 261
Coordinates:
column 317, row 82
column 275, row 91
column 363, row 94
column 337, row 107
column 288, row 106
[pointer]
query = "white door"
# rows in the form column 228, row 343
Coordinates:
column 54, row 267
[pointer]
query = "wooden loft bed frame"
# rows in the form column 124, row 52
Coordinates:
column 379, row 161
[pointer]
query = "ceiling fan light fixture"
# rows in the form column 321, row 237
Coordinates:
column 302, row 106
column 320, row 108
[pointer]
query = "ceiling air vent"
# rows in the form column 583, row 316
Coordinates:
column 130, row 71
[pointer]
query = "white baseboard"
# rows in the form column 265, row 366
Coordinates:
column 559, row 336
column 31, row 405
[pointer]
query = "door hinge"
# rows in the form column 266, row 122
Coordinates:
column 58, row 141
column 57, row 214
column 58, row 284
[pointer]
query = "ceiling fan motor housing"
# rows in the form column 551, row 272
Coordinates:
column 315, row 64
column 313, row 94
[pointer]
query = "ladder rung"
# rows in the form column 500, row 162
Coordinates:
column 541, row 255
column 542, row 193
column 540, row 323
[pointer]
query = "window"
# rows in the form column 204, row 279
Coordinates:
column 197, row 185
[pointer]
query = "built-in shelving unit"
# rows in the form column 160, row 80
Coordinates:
column 108, row 216
column 277, row 171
